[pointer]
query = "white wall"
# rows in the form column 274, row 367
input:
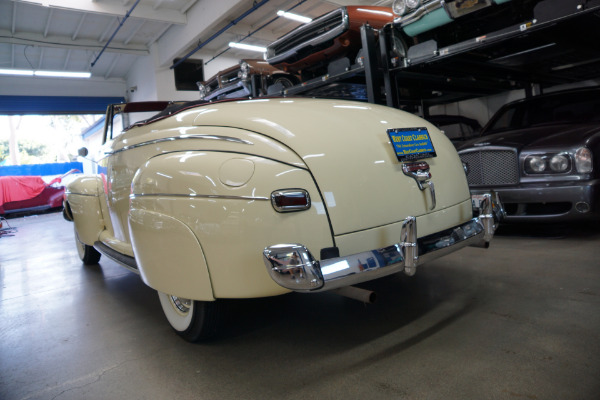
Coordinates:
column 153, row 82
column 141, row 81
column 202, row 21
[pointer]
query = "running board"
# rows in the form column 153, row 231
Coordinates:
column 126, row 261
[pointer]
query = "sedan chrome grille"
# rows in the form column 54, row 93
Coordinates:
column 308, row 32
column 490, row 167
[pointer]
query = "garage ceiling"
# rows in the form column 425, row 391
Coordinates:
column 69, row 35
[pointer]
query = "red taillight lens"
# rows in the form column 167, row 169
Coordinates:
column 287, row 200
column 417, row 170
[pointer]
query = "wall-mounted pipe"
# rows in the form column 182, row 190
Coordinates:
column 216, row 35
column 115, row 32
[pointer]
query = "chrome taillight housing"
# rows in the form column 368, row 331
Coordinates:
column 288, row 200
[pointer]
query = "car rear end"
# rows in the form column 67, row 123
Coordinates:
column 389, row 208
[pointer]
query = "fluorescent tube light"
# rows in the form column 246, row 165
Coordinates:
column 293, row 16
column 54, row 74
column 16, row 72
column 247, row 47
column 63, row 74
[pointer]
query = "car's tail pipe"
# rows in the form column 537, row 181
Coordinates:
column 356, row 293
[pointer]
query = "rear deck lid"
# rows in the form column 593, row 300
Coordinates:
column 347, row 147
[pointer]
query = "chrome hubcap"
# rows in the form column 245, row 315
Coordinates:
column 181, row 304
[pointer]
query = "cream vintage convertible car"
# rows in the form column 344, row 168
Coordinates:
column 253, row 198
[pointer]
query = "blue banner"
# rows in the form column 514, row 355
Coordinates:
column 40, row 169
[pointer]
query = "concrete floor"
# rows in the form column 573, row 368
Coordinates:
column 520, row 320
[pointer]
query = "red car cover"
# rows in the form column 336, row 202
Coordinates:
column 17, row 188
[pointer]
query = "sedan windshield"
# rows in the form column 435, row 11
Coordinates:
column 575, row 107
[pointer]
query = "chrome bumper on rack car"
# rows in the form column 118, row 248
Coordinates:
column 294, row 267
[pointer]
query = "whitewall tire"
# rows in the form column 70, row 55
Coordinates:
column 192, row 319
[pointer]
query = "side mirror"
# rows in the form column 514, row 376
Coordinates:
column 82, row 152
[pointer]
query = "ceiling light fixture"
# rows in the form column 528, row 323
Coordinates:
column 51, row 74
column 21, row 72
column 249, row 47
column 293, row 16
column 63, row 74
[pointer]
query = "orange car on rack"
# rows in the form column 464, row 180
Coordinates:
column 248, row 78
column 327, row 38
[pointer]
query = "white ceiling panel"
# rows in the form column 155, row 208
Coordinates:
column 69, row 34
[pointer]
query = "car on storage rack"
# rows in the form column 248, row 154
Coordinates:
column 308, row 49
column 451, row 21
column 249, row 78
column 256, row 198
column 542, row 156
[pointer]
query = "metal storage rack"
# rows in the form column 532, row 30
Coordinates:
column 560, row 45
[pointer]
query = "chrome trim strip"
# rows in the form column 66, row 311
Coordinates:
column 199, row 196
column 67, row 192
column 183, row 137
column 419, row 13
column 487, row 147
column 329, row 35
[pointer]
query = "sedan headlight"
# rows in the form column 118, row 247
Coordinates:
column 203, row 91
column 412, row 4
column 535, row 164
column 556, row 163
column 244, row 70
column 584, row 160
column 399, row 7
column 559, row 163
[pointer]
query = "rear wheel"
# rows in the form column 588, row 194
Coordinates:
column 192, row 319
column 285, row 81
column 88, row 254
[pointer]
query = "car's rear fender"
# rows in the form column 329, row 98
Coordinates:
column 84, row 203
column 197, row 211
column 169, row 257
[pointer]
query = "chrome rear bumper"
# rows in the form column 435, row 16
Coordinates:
column 294, row 267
